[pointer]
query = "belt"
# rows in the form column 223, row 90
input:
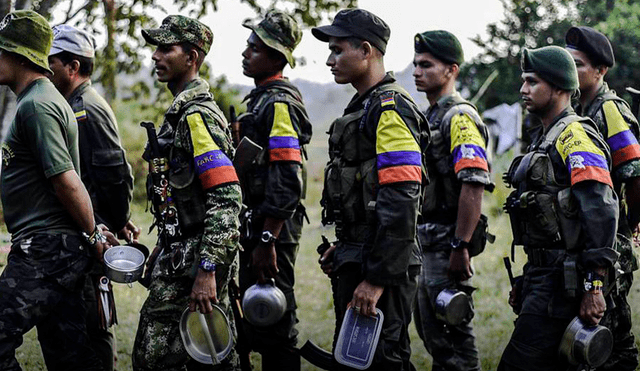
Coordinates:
column 544, row 257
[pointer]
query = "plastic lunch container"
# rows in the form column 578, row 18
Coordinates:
column 358, row 339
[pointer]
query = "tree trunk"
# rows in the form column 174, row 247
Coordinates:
column 110, row 51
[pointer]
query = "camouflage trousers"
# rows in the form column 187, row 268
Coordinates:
column 158, row 344
column 394, row 348
column 453, row 348
column 41, row 286
column 102, row 341
column 617, row 317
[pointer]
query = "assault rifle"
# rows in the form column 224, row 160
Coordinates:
column 242, row 346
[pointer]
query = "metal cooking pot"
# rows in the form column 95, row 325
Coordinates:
column 264, row 304
column 586, row 345
column 207, row 337
column 452, row 306
column 124, row 264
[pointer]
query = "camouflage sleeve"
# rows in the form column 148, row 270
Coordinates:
column 398, row 164
column 221, row 224
column 468, row 144
column 625, row 150
column 283, row 188
column 211, row 146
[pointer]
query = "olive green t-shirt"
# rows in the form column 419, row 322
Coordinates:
column 42, row 141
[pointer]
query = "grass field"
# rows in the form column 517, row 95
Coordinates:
column 493, row 321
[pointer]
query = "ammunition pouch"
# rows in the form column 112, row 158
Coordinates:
column 480, row 237
column 350, row 177
column 186, row 191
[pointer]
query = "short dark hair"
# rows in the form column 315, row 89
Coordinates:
column 275, row 54
column 187, row 47
column 86, row 64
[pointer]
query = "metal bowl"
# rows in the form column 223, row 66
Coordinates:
column 124, row 264
column 452, row 306
column 587, row 345
column 206, row 337
column 264, row 304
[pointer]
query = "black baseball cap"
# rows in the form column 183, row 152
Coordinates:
column 356, row 23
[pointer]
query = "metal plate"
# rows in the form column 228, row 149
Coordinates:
column 201, row 332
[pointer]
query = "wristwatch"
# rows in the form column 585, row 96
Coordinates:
column 207, row 266
column 95, row 236
column 457, row 243
column 267, row 237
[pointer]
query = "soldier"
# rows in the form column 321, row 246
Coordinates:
column 567, row 165
column 458, row 171
column 198, row 213
column 104, row 168
column 277, row 121
column 593, row 56
column 372, row 186
column 46, row 208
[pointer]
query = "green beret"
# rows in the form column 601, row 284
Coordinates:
column 553, row 64
column 591, row 42
column 441, row 44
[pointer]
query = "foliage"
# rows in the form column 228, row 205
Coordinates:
column 536, row 23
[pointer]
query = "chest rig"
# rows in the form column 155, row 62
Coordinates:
column 441, row 194
column 178, row 200
column 253, row 126
column 350, row 177
column 541, row 209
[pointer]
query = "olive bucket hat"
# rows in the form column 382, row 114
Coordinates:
column 28, row 34
column 177, row 29
column 278, row 31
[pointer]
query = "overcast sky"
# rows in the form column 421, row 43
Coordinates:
column 464, row 18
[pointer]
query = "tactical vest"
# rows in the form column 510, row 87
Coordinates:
column 186, row 191
column 542, row 211
column 442, row 193
column 351, row 177
column 253, row 127
column 610, row 95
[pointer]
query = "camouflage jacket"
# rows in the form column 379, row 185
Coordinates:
column 196, row 139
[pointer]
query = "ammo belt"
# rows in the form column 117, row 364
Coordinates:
column 546, row 257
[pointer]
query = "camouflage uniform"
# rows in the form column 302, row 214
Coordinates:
column 619, row 127
column 371, row 193
column 158, row 344
column 456, row 130
column 41, row 286
column 204, row 199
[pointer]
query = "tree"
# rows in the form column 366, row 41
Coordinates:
column 534, row 24
column 123, row 19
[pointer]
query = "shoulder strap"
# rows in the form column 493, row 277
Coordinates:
column 552, row 135
column 601, row 99
column 452, row 101
column 286, row 93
